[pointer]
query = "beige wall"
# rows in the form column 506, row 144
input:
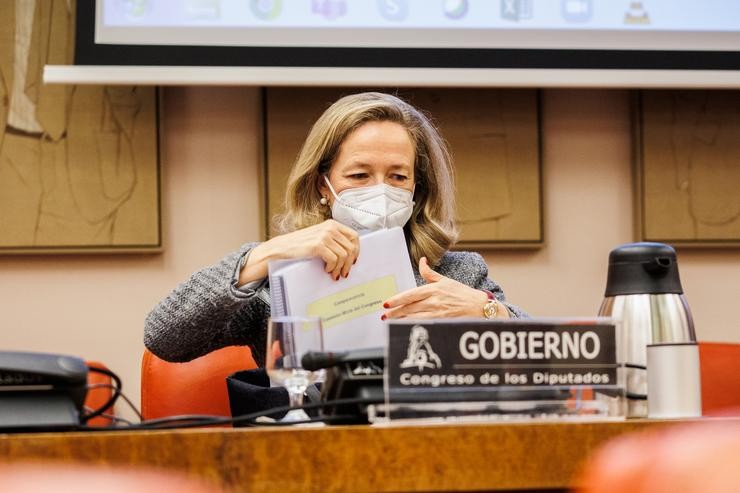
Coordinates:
column 588, row 207
column 94, row 306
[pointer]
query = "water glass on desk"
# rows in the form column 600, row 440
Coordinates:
column 288, row 339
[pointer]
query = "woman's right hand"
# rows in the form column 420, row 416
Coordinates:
column 336, row 244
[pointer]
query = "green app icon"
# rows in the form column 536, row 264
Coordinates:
column 266, row 10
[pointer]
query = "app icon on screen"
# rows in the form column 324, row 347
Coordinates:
column 577, row 10
column 266, row 10
column 455, row 9
column 203, row 9
column 135, row 9
column 394, row 10
column 516, row 10
column 637, row 14
column 330, row 9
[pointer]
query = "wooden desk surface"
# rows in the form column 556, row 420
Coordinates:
column 443, row 457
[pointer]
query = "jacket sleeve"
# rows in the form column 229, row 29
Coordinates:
column 469, row 268
column 492, row 286
column 208, row 312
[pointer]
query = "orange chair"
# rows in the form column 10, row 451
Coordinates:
column 195, row 387
column 720, row 378
column 98, row 396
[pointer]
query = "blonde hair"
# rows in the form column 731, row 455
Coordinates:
column 431, row 231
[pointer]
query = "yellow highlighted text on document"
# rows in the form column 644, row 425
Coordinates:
column 353, row 302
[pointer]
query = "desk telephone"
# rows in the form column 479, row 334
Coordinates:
column 40, row 391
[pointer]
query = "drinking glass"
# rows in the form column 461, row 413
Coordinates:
column 288, row 339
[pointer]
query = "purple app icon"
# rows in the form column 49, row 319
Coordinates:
column 330, row 9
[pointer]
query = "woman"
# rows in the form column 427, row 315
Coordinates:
column 370, row 161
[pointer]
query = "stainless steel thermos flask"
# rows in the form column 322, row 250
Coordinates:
column 644, row 292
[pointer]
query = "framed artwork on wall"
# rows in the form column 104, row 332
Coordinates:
column 493, row 135
column 688, row 167
column 79, row 165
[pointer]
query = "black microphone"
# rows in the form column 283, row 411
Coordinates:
column 316, row 360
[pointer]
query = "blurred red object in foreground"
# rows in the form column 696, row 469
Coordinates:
column 692, row 458
column 79, row 478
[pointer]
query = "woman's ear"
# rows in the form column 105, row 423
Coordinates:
column 323, row 190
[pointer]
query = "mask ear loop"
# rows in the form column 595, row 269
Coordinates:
column 331, row 188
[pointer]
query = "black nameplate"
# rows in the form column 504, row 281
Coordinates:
column 448, row 354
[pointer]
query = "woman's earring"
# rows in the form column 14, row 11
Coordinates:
column 323, row 201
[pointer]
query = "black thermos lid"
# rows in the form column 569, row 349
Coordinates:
column 643, row 268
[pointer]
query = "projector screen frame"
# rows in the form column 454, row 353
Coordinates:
column 87, row 52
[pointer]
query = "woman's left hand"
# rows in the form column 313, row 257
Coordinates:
column 442, row 297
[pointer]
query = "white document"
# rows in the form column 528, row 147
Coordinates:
column 350, row 308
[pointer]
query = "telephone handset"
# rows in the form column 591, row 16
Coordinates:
column 41, row 391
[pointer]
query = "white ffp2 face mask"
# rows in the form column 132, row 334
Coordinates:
column 372, row 208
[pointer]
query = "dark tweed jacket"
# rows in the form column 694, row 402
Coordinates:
column 208, row 312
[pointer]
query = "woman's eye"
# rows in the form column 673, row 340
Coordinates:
column 400, row 177
column 358, row 176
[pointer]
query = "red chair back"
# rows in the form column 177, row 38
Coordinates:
column 720, row 378
column 195, row 387
column 98, row 396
